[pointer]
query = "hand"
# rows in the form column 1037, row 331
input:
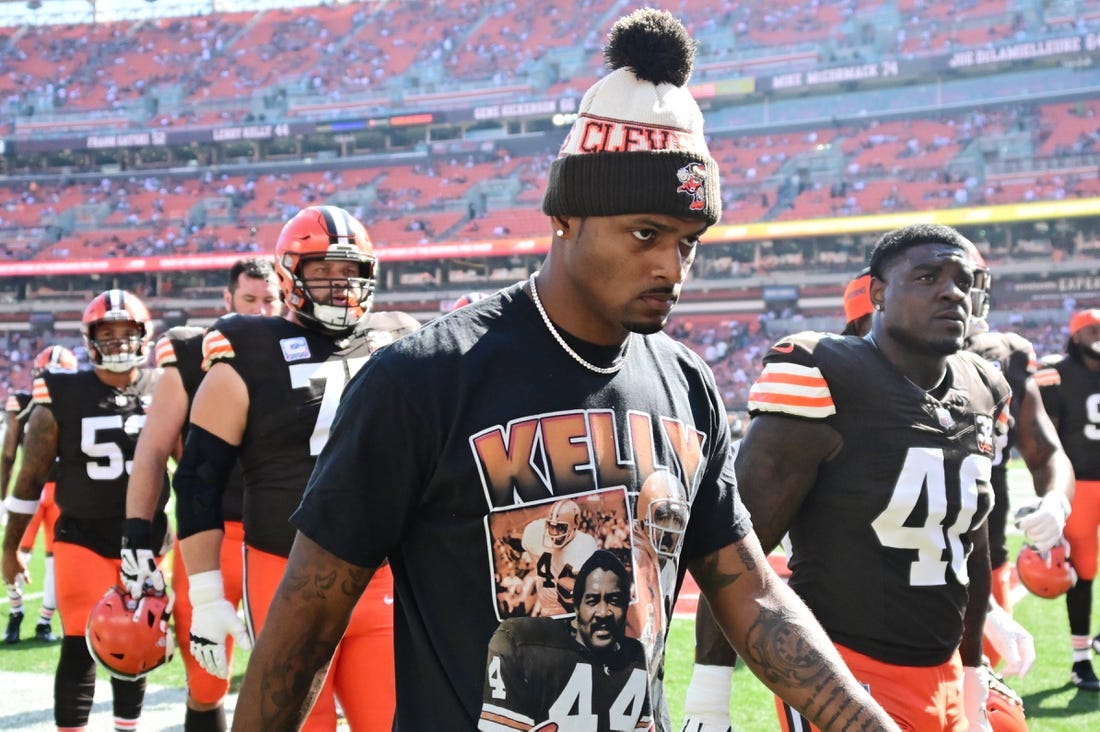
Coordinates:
column 1043, row 525
column 14, row 568
column 139, row 572
column 1011, row 641
column 212, row 619
column 975, row 690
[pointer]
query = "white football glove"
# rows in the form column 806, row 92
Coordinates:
column 1043, row 525
column 212, row 619
column 1010, row 640
column 139, row 572
column 975, row 691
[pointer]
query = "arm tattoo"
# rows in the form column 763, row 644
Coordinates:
column 776, row 645
column 288, row 679
column 709, row 576
column 39, row 452
column 315, row 585
column 356, row 582
column 775, row 642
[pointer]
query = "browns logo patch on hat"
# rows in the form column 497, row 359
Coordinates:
column 637, row 145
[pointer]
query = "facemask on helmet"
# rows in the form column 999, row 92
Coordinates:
column 1003, row 707
column 327, row 234
column 128, row 637
column 664, row 511
column 118, row 355
column 983, row 285
column 54, row 358
column 562, row 524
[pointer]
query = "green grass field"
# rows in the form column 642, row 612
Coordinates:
column 1052, row 704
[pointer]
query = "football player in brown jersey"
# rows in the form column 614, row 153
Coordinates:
column 88, row 421
column 845, row 432
column 252, row 289
column 1071, row 393
column 17, row 409
column 267, row 400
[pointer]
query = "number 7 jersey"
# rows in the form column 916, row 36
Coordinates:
column 295, row 376
column 880, row 542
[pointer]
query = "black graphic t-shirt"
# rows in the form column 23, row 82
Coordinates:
column 487, row 464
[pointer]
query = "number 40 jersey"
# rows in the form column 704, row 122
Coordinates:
column 295, row 376
column 880, row 542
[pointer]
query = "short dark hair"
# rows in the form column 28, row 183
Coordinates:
column 891, row 244
column 605, row 560
column 257, row 268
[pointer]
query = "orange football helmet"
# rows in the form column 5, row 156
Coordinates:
column 1004, row 708
column 982, row 288
column 118, row 355
column 54, row 358
column 1046, row 576
column 329, row 233
column 127, row 637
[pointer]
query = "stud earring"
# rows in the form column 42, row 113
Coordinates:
column 560, row 233
column 879, row 307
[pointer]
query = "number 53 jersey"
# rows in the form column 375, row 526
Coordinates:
column 295, row 376
column 880, row 542
column 97, row 430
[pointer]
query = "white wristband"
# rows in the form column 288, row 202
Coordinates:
column 20, row 505
column 205, row 587
column 1061, row 504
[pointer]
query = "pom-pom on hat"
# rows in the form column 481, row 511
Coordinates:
column 637, row 145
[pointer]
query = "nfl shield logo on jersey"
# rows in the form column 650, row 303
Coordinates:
column 984, row 429
column 294, row 349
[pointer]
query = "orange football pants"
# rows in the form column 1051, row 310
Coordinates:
column 1081, row 528
column 361, row 675
column 82, row 578
column 45, row 516
column 202, row 686
column 918, row 698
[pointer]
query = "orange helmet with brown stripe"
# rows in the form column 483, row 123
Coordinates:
column 127, row 637
column 54, row 358
column 116, row 354
column 332, row 234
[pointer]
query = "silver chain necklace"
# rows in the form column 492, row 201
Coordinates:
column 613, row 368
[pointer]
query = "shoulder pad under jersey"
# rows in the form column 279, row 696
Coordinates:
column 1047, row 377
column 791, row 382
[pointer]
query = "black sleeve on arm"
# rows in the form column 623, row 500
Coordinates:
column 200, row 481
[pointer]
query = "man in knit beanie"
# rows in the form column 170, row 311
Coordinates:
column 476, row 452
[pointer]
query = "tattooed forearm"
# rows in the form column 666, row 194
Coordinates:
column 291, row 682
column 775, row 642
column 777, row 645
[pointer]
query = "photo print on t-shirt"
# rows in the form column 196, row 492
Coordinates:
column 536, row 549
